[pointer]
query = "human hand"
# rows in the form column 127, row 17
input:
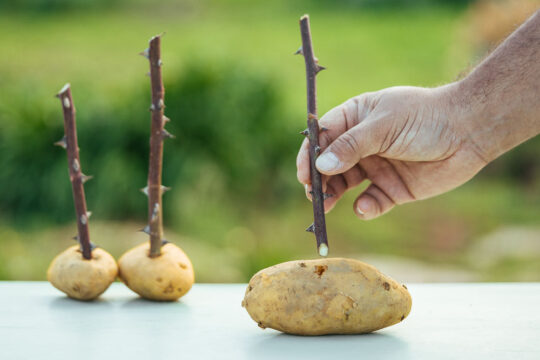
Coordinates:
column 410, row 143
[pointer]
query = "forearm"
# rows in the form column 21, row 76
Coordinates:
column 499, row 101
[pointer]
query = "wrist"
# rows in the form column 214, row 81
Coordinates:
column 474, row 122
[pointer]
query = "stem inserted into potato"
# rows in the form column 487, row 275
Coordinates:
column 312, row 133
column 77, row 178
column 158, row 134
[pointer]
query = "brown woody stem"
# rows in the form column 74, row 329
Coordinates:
column 312, row 68
column 157, row 136
column 69, row 142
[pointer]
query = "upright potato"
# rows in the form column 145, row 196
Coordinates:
column 325, row 296
column 167, row 277
column 79, row 278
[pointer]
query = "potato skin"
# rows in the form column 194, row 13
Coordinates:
column 167, row 277
column 79, row 278
column 325, row 296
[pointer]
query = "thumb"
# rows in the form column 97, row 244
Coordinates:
column 362, row 140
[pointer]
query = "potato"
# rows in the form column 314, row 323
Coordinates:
column 79, row 278
column 325, row 296
column 164, row 278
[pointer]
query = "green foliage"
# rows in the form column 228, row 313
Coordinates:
column 223, row 116
column 386, row 4
column 54, row 5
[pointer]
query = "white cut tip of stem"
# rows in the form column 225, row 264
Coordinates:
column 305, row 16
column 64, row 89
column 323, row 250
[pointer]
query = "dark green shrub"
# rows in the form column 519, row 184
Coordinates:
column 223, row 116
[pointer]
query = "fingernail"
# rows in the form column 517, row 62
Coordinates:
column 328, row 162
column 362, row 207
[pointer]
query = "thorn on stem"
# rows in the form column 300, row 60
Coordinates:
column 76, row 165
column 305, row 132
column 88, row 214
column 144, row 190
column 311, row 228
column 327, row 196
column 84, row 219
column 166, row 119
column 164, row 189
column 317, row 149
column 62, row 142
column 145, row 229
column 299, row 51
column 167, row 135
column 85, row 178
column 319, row 68
column 145, row 53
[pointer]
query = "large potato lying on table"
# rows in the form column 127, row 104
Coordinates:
column 325, row 296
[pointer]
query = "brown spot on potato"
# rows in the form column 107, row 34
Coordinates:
column 320, row 269
column 159, row 279
column 182, row 265
column 169, row 289
column 404, row 286
column 302, row 264
column 260, row 324
column 386, row 286
column 179, row 289
column 250, row 288
column 402, row 317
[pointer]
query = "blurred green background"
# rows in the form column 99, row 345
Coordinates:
column 236, row 98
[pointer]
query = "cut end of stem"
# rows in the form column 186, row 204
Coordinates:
column 63, row 90
column 156, row 36
column 323, row 250
column 304, row 17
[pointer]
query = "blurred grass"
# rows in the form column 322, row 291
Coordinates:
column 231, row 236
column 363, row 51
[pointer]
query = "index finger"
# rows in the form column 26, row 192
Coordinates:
column 335, row 122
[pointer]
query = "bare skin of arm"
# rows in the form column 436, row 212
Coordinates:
column 414, row 143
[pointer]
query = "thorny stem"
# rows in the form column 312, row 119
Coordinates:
column 69, row 142
column 157, row 136
column 312, row 68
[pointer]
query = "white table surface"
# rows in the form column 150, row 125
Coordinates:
column 447, row 321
